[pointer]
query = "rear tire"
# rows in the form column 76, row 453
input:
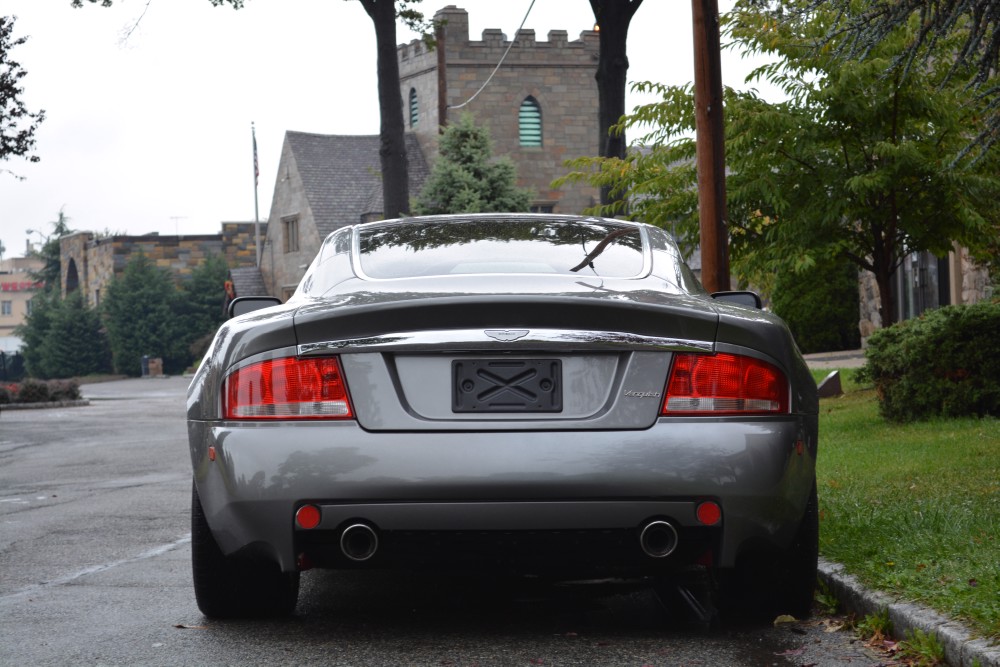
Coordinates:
column 227, row 587
column 768, row 585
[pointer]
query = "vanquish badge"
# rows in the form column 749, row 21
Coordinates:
column 506, row 335
column 631, row 393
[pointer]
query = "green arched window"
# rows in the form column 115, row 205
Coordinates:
column 530, row 122
column 414, row 108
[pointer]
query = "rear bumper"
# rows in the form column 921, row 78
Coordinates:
column 509, row 485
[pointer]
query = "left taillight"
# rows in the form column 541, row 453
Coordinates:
column 288, row 388
column 724, row 384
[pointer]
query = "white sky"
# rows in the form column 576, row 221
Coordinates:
column 153, row 134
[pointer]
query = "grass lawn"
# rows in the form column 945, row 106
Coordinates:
column 913, row 509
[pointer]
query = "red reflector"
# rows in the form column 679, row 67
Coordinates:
column 287, row 388
column 703, row 384
column 709, row 513
column 307, row 517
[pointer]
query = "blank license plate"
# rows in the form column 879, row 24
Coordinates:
column 506, row 385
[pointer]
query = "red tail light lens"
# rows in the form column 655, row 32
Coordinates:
column 721, row 384
column 287, row 389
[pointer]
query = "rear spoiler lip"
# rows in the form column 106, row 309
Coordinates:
column 468, row 340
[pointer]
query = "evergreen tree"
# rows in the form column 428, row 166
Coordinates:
column 201, row 305
column 465, row 178
column 139, row 314
column 34, row 330
column 75, row 343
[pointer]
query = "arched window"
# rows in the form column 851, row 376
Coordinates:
column 530, row 122
column 414, row 108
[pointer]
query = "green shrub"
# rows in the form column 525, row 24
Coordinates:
column 820, row 306
column 33, row 391
column 944, row 363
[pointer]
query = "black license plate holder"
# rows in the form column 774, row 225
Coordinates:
column 506, row 385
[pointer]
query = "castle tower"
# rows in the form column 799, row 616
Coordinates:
column 541, row 106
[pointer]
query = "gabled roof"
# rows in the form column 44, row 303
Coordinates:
column 248, row 281
column 341, row 174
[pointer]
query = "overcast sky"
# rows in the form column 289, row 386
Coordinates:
column 152, row 133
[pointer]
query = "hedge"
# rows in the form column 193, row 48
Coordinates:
column 944, row 363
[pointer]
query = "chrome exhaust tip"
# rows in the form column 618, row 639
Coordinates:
column 359, row 542
column 658, row 539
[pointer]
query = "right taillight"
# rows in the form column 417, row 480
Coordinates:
column 724, row 384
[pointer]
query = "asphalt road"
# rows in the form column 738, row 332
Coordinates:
column 95, row 570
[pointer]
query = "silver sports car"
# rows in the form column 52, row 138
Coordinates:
column 536, row 394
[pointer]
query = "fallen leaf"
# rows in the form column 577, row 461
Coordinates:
column 973, row 582
column 784, row 618
column 792, row 651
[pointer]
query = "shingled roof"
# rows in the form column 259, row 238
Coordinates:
column 341, row 175
column 248, row 281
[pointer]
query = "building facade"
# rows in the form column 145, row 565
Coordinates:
column 17, row 288
column 541, row 105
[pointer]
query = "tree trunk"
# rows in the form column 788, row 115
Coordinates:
column 392, row 150
column 613, row 18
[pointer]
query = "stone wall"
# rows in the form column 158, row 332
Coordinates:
column 97, row 260
column 970, row 284
column 558, row 73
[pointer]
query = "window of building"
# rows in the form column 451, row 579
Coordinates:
column 290, row 227
column 542, row 208
column 530, row 123
column 6, row 308
column 27, row 307
column 414, row 108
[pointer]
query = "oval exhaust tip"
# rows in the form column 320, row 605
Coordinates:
column 359, row 542
column 658, row 539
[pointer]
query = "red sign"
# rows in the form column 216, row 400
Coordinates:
column 21, row 286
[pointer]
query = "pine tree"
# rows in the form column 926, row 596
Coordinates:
column 466, row 179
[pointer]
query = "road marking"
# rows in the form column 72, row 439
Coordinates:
column 94, row 569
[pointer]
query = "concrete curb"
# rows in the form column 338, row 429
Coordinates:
column 43, row 406
column 961, row 649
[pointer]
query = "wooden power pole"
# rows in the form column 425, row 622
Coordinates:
column 711, row 146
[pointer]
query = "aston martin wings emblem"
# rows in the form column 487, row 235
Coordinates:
column 506, row 335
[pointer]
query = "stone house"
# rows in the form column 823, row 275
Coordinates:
column 541, row 108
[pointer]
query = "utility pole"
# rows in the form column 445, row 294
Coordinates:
column 710, row 146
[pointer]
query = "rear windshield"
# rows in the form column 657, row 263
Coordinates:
column 528, row 245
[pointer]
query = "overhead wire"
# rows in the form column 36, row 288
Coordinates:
column 502, row 58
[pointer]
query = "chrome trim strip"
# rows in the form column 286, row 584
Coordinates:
column 477, row 339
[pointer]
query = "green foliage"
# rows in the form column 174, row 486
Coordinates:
column 50, row 275
column 17, row 131
column 33, row 331
column 875, row 627
column 820, row 306
column 139, row 314
column 201, row 304
column 913, row 509
column 854, row 165
column 466, row 179
column 944, row 363
column 921, row 649
column 63, row 338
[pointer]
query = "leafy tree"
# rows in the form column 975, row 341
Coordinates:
column 863, row 26
column 614, row 18
column 75, row 343
column 821, row 306
column 139, row 315
column 17, row 124
column 855, row 165
column 465, row 178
